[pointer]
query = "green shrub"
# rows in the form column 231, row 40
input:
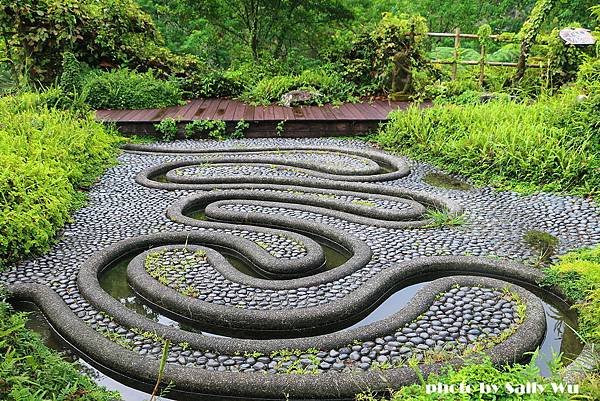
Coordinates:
column 447, row 53
column 550, row 145
column 239, row 129
column 269, row 90
column 125, row 89
column 379, row 58
column 589, row 72
column 578, row 275
column 30, row 371
column 109, row 31
column 213, row 83
column 326, row 85
column 71, row 79
column 214, row 129
column 167, row 128
column 46, row 157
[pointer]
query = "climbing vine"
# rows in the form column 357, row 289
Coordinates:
column 529, row 33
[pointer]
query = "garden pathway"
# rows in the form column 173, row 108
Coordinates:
column 255, row 248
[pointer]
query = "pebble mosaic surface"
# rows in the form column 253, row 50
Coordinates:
column 120, row 208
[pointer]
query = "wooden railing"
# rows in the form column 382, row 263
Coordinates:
column 457, row 35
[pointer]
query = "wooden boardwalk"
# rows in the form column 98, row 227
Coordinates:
column 346, row 119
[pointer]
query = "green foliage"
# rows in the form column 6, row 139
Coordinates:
column 46, row 156
column 40, row 31
column 125, row 89
column 578, row 275
column 484, row 371
column 30, row 371
column 168, row 129
column 213, row 83
column 385, row 56
column 214, row 129
column 447, row 53
column 256, row 28
column 484, row 32
column 508, row 53
column 280, row 128
column 563, row 59
column 589, row 73
column 506, row 15
column 269, row 90
column 71, row 79
column 239, row 129
column 528, row 34
column 326, row 86
column 549, row 145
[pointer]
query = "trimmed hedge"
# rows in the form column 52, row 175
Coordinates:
column 47, row 156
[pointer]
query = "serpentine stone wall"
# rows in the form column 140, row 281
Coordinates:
column 176, row 213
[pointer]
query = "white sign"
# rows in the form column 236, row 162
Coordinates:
column 577, row 36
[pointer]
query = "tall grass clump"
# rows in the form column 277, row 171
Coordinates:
column 550, row 145
column 47, row 157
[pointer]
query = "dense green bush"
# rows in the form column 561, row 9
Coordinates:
column 47, row 156
column 30, row 371
column 549, row 145
column 125, row 89
column 207, row 83
column 41, row 30
column 326, row 85
column 167, row 128
column 383, row 58
column 578, row 275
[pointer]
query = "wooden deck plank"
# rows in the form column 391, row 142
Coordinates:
column 316, row 112
column 269, row 113
column 158, row 115
column 234, row 110
column 249, row 113
column 209, row 112
column 355, row 112
column 337, row 112
column 225, row 110
column 289, row 114
column 383, row 110
column 147, row 115
column 278, row 112
column 370, row 111
column 326, row 109
column 193, row 108
column 345, row 112
column 298, row 113
column 366, row 111
column 111, row 115
column 239, row 112
column 390, row 106
column 131, row 115
column 259, row 113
